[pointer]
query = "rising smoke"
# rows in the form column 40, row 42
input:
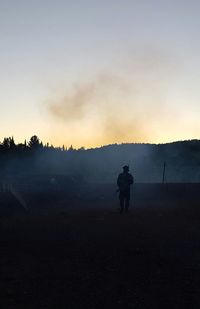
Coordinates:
column 119, row 105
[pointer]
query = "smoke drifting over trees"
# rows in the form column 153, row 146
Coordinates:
column 101, row 164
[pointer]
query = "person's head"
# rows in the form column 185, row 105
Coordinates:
column 126, row 168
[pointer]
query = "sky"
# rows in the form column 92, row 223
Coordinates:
column 90, row 73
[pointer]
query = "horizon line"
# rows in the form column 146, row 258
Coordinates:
column 105, row 145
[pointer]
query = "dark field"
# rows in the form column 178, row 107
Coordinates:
column 77, row 252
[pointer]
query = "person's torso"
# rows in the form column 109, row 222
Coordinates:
column 125, row 179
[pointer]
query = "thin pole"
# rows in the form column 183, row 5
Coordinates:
column 164, row 169
column 132, row 192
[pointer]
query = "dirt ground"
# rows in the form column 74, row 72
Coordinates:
column 149, row 258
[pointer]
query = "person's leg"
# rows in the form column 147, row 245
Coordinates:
column 121, row 199
column 127, row 199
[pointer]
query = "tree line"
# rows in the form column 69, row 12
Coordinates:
column 104, row 163
column 8, row 145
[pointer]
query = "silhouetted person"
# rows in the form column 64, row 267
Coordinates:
column 124, row 181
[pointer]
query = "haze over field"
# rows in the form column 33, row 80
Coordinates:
column 90, row 73
column 99, row 154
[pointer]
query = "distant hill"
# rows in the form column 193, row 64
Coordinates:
column 103, row 164
column 146, row 161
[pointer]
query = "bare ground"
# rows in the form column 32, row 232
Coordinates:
column 149, row 258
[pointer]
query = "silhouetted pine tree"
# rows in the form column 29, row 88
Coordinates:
column 35, row 143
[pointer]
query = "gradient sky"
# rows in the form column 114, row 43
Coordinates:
column 90, row 72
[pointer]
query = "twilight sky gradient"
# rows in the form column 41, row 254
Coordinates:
column 90, row 72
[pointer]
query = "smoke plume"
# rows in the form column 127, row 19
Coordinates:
column 124, row 104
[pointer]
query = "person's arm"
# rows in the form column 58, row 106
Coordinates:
column 131, row 179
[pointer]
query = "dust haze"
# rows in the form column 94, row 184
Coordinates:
column 123, row 103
